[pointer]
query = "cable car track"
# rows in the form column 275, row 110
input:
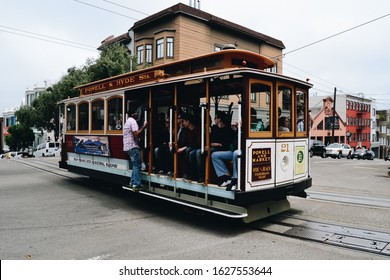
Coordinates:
column 53, row 168
column 349, row 199
column 288, row 225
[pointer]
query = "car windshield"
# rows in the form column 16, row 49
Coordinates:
column 334, row 145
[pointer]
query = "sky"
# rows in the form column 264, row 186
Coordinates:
column 356, row 61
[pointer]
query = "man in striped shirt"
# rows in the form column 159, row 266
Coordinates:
column 131, row 132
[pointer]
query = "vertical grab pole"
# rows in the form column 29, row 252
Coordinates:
column 202, row 131
column 146, row 131
column 239, row 148
column 170, row 127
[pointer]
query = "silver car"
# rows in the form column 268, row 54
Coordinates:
column 337, row 150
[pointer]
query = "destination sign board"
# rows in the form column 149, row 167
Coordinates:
column 121, row 81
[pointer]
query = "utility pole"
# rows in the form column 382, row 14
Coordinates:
column 334, row 115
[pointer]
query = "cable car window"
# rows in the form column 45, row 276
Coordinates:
column 71, row 117
column 98, row 115
column 284, row 109
column 115, row 114
column 301, row 115
column 260, row 107
column 83, row 116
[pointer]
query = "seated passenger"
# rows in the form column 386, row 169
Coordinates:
column 256, row 124
column 193, row 143
column 182, row 141
column 161, row 152
column 300, row 120
column 219, row 160
column 221, row 137
column 284, row 124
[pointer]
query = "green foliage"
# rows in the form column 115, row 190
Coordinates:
column 27, row 116
column 46, row 109
column 113, row 60
column 21, row 137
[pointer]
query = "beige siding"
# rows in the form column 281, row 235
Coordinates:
column 274, row 53
column 194, row 37
column 222, row 38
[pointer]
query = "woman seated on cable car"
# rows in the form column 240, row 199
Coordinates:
column 284, row 124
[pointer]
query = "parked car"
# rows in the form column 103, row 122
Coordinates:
column 317, row 148
column 48, row 149
column 363, row 154
column 337, row 150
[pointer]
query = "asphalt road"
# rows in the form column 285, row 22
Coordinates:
column 47, row 216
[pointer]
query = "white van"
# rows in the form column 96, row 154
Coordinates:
column 48, row 149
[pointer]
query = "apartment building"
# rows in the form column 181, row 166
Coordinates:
column 355, row 120
column 182, row 31
column 383, row 132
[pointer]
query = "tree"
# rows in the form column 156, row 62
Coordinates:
column 27, row 116
column 21, row 137
column 114, row 60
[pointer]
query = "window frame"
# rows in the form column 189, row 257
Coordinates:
column 170, row 47
column 265, row 133
column 160, row 48
column 285, row 134
column 107, row 123
column 98, row 131
column 140, row 50
column 67, row 117
column 303, row 133
column 149, row 53
column 82, row 103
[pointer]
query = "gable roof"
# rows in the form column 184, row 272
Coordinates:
column 210, row 19
column 124, row 38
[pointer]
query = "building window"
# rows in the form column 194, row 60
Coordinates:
column 330, row 121
column 320, row 126
column 160, row 48
column 170, row 46
column 149, row 53
column 140, row 54
column 253, row 96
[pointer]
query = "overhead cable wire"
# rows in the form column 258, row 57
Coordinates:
column 217, row 38
column 107, row 10
column 122, row 6
column 222, row 39
column 337, row 34
column 46, row 40
column 46, row 36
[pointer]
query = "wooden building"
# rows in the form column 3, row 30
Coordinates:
column 181, row 32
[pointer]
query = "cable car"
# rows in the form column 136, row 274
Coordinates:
column 266, row 112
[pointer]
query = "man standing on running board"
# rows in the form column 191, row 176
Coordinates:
column 131, row 132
